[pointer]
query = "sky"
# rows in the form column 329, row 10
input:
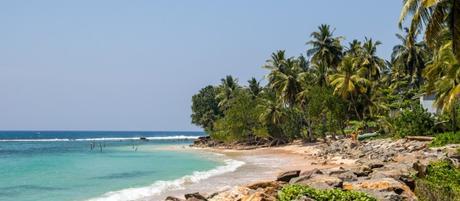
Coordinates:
column 134, row 65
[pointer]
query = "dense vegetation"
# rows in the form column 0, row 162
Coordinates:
column 294, row 192
column 445, row 138
column 442, row 182
column 337, row 88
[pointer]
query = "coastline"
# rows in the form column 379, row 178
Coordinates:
column 261, row 164
column 381, row 168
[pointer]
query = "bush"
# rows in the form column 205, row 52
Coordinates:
column 415, row 121
column 442, row 182
column 445, row 139
column 293, row 192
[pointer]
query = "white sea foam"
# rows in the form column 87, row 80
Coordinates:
column 178, row 137
column 162, row 186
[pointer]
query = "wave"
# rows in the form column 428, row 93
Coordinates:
column 178, row 137
column 161, row 186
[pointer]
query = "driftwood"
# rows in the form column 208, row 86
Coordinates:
column 420, row 138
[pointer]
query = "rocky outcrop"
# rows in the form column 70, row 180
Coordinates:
column 195, row 197
column 287, row 176
column 382, row 168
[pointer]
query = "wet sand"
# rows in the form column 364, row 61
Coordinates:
column 260, row 165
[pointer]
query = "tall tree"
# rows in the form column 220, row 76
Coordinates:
column 433, row 16
column 409, row 59
column 348, row 82
column 254, row 87
column 325, row 48
column 227, row 90
column 205, row 109
column 443, row 77
column 369, row 60
column 283, row 78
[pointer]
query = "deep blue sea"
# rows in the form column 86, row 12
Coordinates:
column 99, row 165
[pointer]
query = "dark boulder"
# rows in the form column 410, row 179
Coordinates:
column 195, row 197
column 287, row 176
column 170, row 198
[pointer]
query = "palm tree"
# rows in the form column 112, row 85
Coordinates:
column 354, row 48
column 254, row 87
column 409, row 59
column 348, row 82
column 325, row 48
column 369, row 60
column 273, row 114
column 319, row 74
column 227, row 90
column 443, row 77
column 433, row 16
column 283, row 78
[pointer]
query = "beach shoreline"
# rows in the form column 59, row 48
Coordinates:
column 260, row 164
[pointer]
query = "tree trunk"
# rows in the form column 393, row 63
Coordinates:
column 354, row 107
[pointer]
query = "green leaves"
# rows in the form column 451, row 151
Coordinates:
column 205, row 110
column 442, row 182
column 293, row 192
column 415, row 121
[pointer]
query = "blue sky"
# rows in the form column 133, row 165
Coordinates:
column 134, row 65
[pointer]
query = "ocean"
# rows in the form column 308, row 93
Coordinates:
column 100, row 165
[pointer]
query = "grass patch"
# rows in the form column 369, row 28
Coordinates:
column 445, row 139
column 293, row 192
column 442, row 182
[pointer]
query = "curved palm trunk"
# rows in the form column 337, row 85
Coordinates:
column 353, row 102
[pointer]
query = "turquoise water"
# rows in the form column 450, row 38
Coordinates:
column 56, row 169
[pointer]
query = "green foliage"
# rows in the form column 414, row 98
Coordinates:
column 293, row 192
column 442, row 182
column 326, row 111
column 205, row 109
column 415, row 121
column 445, row 138
column 332, row 88
column 241, row 120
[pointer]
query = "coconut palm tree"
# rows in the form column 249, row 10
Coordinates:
column 348, row 81
column 433, row 16
column 283, row 77
column 354, row 48
column 443, row 77
column 369, row 60
column 286, row 83
column 325, row 48
column 254, row 87
column 409, row 59
column 227, row 90
column 273, row 115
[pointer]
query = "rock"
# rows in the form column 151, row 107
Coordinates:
column 194, row 199
column 305, row 176
column 420, row 168
column 195, row 196
column 265, row 184
column 322, row 182
column 348, row 176
column 170, row 198
column 375, row 164
column 311, row 172
column 382, row 189
column 259, row 196
column 408, row 181
column 287, row 176
column 362, row 171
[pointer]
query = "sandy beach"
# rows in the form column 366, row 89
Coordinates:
column 262, row 164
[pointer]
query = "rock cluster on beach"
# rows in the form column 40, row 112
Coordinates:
column 382, row 168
